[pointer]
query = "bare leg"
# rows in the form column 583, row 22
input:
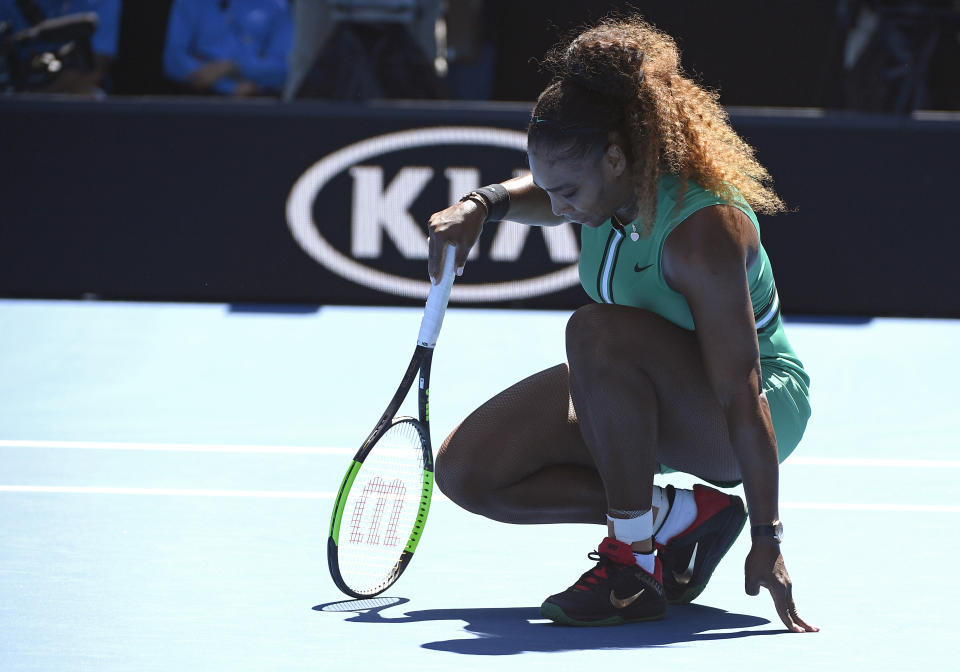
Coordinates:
column 520, row 458
column 526, row 456
column 617, row 406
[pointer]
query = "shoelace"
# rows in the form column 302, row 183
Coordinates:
column 593, row 576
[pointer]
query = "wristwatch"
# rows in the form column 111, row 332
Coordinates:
column 775, row 532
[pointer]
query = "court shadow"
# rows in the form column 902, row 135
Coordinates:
column 274, row 308
column 509, row 631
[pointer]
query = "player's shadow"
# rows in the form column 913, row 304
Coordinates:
column 513, row 630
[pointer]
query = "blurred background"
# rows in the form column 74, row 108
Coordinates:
column 152, row 148
column 869, row 55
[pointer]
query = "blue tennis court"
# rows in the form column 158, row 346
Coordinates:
column 167, row 473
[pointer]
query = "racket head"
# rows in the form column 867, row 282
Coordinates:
column 381, row 509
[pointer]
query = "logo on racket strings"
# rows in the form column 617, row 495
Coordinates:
column 369, row 511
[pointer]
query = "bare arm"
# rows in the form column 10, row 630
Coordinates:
column 529, row 204
column 706, row 259
column 462, row 223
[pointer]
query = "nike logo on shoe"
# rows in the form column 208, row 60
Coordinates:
column 684, row 577
column 625, row 602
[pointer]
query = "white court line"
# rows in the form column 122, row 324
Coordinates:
column 871, row 462
column 165, row 492
column 854, row 506
column 280, row 494
column 798, row 460
column 180, row 447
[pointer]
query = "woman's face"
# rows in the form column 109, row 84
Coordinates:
column 583, row 191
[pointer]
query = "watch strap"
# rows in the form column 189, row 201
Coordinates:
column 773, row 531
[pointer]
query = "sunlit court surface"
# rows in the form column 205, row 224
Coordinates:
column 167, row 473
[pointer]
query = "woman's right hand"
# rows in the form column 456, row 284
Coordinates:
column 765, row 567
column 458, row 225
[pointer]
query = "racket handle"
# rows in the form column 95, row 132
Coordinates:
column 437, row 302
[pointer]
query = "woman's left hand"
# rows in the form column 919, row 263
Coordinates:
column 765, row 567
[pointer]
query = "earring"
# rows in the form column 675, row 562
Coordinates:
column 618, row 225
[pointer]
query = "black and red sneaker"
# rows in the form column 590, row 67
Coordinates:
column 614, row 592
column 690, row 557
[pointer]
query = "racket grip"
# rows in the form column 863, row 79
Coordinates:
column 437, row 301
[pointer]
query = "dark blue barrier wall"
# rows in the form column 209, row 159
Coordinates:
column 265, row 202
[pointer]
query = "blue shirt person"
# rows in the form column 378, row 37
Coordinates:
column 231, row 47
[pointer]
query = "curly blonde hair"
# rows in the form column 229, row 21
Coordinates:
column 624, row 76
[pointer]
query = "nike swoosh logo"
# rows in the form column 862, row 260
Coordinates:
column 684, row 577
column 625, row 602
column 638, row 267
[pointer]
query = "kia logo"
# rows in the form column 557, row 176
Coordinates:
column 379, row 212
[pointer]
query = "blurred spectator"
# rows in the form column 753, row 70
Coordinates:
column 471, row 26
column 363, row 49
column 892, row 52
column 230, row 47
column 59, row 46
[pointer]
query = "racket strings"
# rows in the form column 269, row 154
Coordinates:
column 381, row 492
column 382, row 508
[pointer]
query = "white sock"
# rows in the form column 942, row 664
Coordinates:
column 676, row 518
column 646, row 561
column 630, row 530
column 661, row 506
column 633, row 529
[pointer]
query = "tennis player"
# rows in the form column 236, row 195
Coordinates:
column 681, row 364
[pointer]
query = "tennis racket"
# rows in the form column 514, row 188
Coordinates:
column 382, row 504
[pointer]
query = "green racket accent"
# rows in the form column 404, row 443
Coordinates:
column 425, row 497
column 362, row 566
column 342, row 499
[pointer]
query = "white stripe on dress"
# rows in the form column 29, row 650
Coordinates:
column 606, row 279
column 771, row 311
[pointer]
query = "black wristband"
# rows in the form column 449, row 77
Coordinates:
column 774, row 531
column 497, row 199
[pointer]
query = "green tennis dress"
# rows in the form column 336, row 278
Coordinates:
column 616, row 269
